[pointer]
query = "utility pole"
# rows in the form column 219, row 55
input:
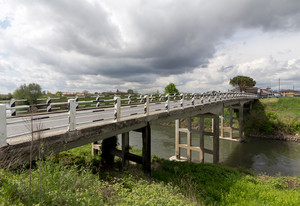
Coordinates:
column 279, row 85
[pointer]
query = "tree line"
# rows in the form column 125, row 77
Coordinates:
column 33, row 91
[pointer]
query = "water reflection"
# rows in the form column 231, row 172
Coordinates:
column 259, row 155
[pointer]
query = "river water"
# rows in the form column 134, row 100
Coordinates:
column 259, row 155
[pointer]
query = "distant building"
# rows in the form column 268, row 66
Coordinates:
column 262, row 92
column 290, row 93
column 65, row 94
column 72, row 94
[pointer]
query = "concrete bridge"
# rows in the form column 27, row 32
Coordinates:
column 23, row 137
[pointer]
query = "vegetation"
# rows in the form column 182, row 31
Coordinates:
column 171, row 89
column 241, row 82
column 274, row 116
column 210, row 184
column 75, row 177
column 5, row 96
column 31, row 92
column 130, row 91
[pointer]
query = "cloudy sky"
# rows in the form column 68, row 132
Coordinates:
column 104, row 45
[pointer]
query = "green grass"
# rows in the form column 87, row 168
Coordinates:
column 219, row 185
column 273, row 116
column 75, row 177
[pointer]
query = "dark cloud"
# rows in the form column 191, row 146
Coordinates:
column 153, row 39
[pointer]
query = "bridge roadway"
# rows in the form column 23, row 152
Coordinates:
column 17, row 127
column 97, row 124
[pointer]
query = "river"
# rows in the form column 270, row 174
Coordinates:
column 259, row 155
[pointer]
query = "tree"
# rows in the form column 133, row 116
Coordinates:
column 171, row 89
column 130, row 91
column 241, row 82
column 31, row 92
column 58, row 94
column 85, row 92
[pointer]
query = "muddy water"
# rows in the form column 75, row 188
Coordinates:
column 259, row 155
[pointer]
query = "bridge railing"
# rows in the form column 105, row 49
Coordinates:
column 122, row 107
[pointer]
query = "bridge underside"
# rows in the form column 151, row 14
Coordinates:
column 19, row 150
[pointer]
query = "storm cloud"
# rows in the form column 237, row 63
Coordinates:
column 129, row 41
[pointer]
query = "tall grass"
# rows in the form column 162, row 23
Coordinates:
column 76, row 178
column 212, row 184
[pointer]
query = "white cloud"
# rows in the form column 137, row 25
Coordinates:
column 144, row 45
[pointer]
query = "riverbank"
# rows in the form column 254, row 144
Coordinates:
column 76, row 178
column 274, row 118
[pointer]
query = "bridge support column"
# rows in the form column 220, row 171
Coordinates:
column 189, row 147
column 95, row 148
column 146, row 134
column 235, row 123
column 125, row 149
column 126, row 156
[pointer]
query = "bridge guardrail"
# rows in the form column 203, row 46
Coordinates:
column 143, row 107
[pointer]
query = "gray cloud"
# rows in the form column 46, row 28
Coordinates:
column 137, row 41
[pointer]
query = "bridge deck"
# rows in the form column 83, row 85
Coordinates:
column 53, row 141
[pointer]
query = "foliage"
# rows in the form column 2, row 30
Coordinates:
column 242, row 82
column 270, row 116
column 130, row 91
column 210, row 184
column 171, row 89
column 5, row 96
column 31, row 92
column 58, row 94
column 72, row 178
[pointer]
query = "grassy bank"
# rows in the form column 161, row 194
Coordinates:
column 276, row 117
column 76, row 178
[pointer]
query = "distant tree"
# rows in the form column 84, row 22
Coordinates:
column 58, row 94
column 85, row 92
column 130, row 91
column 31, row 92
column 171, row 89
column 241, row 82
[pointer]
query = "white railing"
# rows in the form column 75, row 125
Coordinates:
column 146, row 106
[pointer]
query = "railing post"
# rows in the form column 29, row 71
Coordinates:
column 151, row 98
column 146, row 105
column 76, row 100
column 3, row 127
column 11, row 105
column 181, row 100
column 167, row 105
column 174, row 96
column 117, row 112
column 201, row 98
column 98, row 101
column 48, row 102
column 72, row 115
column 193, row 99
column 141, row 101
column 129, row 99
column 159, row 97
